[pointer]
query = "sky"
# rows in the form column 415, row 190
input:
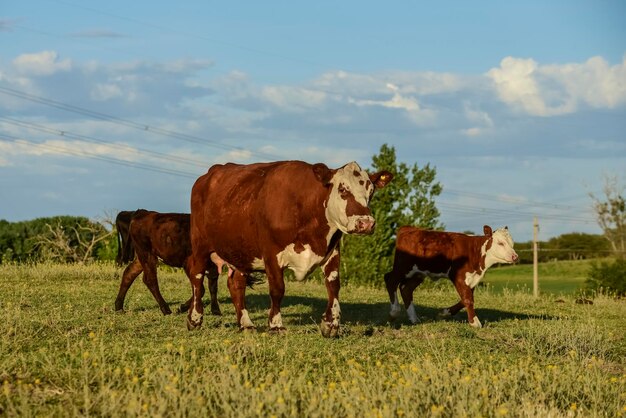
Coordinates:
column 108, row 106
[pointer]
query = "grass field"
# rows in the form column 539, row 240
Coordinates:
column 556, row 277
column 64, row 352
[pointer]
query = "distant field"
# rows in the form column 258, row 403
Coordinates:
column 65, row 352
column 557, row 277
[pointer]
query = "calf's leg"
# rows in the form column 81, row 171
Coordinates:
column 131, row 272
column 150, row 280
column 392, row 281
column 467, row 298
column 407, row 287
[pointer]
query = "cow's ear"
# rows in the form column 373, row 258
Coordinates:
column 487, row 230
column 381, row 179
column 323, row 173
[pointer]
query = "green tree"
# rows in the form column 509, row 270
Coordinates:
column 407, row 200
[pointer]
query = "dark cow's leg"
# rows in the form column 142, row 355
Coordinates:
column 332, row 316
column 407, row 287
column 237, row 288
column 467, row 298
column 131, row 272
column 392, row 281
column 150, row 280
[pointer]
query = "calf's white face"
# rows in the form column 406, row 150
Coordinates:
column 501, row 250
column 351, row 190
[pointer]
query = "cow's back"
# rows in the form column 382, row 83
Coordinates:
column 239, row 211
column 165, row 235
column 437, row 251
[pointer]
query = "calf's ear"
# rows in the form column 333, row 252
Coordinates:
column 487, row 230
column 323, row 173
column 381, row 179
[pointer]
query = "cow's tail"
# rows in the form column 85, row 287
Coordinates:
column 128, row 250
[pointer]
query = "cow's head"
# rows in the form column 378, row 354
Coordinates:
column 350, row 191
column 501, row 249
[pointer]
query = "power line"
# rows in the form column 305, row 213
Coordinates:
column 65, row 151
column 521, row 202
column 128, row 123
column 90, row 139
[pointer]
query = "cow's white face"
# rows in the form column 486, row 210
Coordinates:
column 501, row 250
column 351, row 190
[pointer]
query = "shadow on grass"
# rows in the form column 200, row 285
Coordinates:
column 310, row 310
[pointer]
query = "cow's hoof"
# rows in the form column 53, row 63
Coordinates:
column 394, row 312
column 166, row 311
column 329, row 330
column 476, row 323
column 191, row 325
column 278, row 330
column 216, row 311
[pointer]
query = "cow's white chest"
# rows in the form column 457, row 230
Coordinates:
column 301, row 263
column 472, row 279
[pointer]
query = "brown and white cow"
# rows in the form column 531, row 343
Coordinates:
column 161, row 236
column 273, row 216
column 462, row 258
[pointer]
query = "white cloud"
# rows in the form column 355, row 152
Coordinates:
column 481, row 119
column 559, row 89
column 105, row 91
column 41, row 63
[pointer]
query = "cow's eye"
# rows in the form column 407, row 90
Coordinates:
column 501, row 243
column 341, row 189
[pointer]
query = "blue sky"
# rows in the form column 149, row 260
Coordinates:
column 520, row 106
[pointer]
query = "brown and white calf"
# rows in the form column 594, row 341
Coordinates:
column 273, row 216
column 462, row 258
column 164, row 237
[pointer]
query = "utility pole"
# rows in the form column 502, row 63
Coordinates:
column 535, row 258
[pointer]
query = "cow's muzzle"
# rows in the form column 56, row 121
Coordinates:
column 364, row 225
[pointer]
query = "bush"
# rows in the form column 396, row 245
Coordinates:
column 608, row 277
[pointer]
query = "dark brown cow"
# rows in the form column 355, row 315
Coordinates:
column 125, row 252
column 463, row 259
column 161, row 236
column 272, row 216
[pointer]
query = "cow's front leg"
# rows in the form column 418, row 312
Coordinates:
column 332, row 316
column 467, row 298
column 196, row 276
column 276, row 282
column 237, row 287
